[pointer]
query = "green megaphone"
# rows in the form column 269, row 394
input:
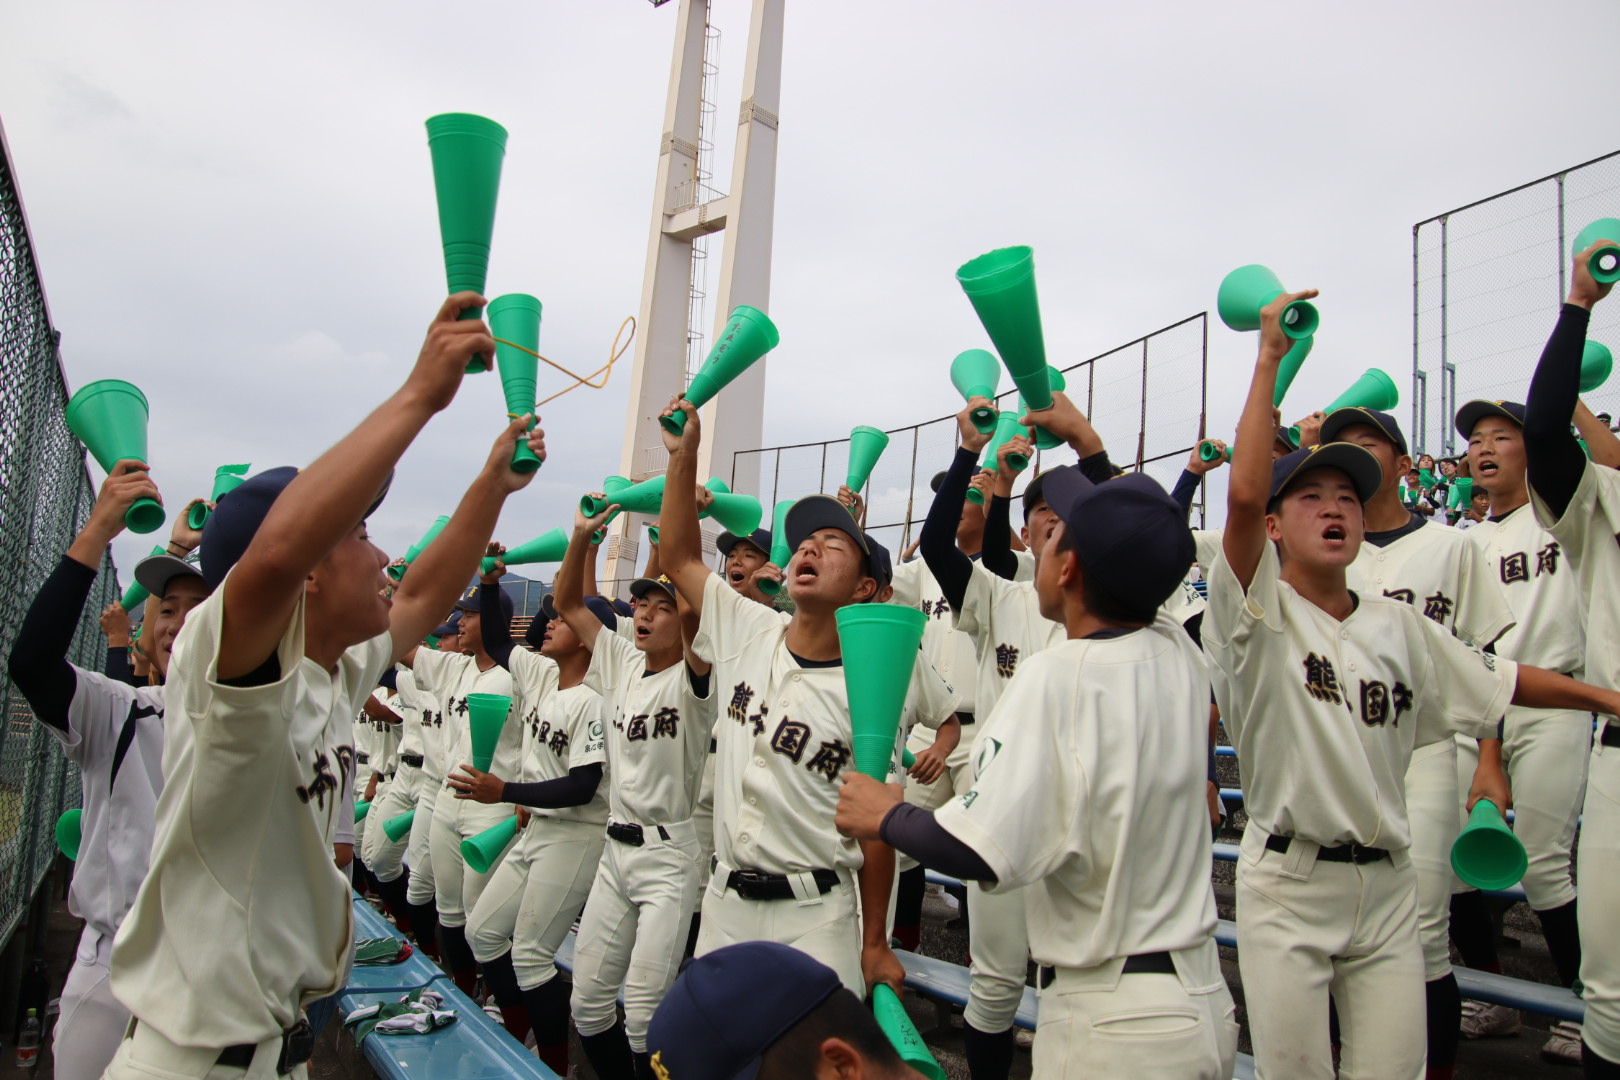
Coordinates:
column 398, row 827
column 879, row 644
column 907, row 759
column 467, row 153
column 1208, row 451
column 611, row 486
column 780, row 552
column 1374, row 390
column 486, row 716
column 1461, row 494
column 1596, row 364
column 136, row 594
column 110, row 416
column 975, row 373
column 1247, row 289
column 226, row 478
column 1289, row 366
column 643, row 498
column 738, row 514
column 866, row 445
column 1605, row 262
column 551, row 547
column 652, row 534
column 482, row 851
column 1044, row 439
column 1001, row 287
column 416, row 549
column 515, row 318
column 748, row 335
column 1007, row 426
column 1486, row 854
column 892, row 1017
column 69, row 833
column 361, row 809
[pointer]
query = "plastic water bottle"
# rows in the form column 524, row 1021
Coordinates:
column 28, row 1042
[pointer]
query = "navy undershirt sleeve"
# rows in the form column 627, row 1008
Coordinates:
column 38, row 665
column 913, row 830
column 1554, row 457
column 1186, row 490
column 493, row 627
column 937, row 542
column 575, row 789
column 995, row 551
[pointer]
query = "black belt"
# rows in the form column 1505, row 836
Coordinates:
column 1151, row 963
column 414, row 760
column 1347, row 853
column 363, row 758
column 754, row 885
column 634, row 835
column 297, row 1046
column 1611, row 735
column 714, row 744
column 964, row 718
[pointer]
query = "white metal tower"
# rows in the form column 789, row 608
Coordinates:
column 670, row 340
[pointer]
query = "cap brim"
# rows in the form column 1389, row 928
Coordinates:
column 1356, row 462
column 813, row 513
column 1474, row 411
column 1064, row 486
column 1340, row 419
column 445, row 630
column 642, row 586
column 156, row 571
column 548, row 606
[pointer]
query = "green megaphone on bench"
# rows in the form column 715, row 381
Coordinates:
column 110, row 416
column 467, row 153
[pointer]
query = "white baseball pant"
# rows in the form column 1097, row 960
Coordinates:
column 998, row 952
column 419, row 849
column 826, row 925
column 1098, row 1022
column 534, row 896
column 385, row 857
column 957, row 777
column 1599, row 869
column 145, row 1055
column 1307, row 929
column 92, row 1021
column 633, row 931
column 455, row 884
column 1545, row 754
column 703, row 822
column 1431, row 807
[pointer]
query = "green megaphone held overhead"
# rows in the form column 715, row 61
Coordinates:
column 866, row 445
column 643, row 498
column 780, row 552
column 1001, row 287
column 69, row 833
column 1605, row 262
column 514, row 319
column 1486, row 854
column 482, row 851
column 748, row 335
column 879, row 645
column 896, row 1023
column 1374, row 390
column 110, row 416
column 550, row 547
column 1007, row 426
column 1247, row 289
column 467, row 154
column 136, row 594
column 975, row 373
column 416, row 549
column 611, row 486
column 226, row 478
column 1289, row 366
column 1044, row 439
column 1597, row 362
column 739, row 515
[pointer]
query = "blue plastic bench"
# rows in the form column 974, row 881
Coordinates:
column 416, row 970
column 473, row 1048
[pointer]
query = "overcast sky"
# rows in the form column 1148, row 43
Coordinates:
column 234, row 209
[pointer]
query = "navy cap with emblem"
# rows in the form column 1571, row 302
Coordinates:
column 1339, row 419
column 1469, row 416
column 473, row 601
column 759, row 538
column 1354, row 461
column 729, row 1006
column 452, row 625
column 640, row 587
column 1131, row 537
column 594, row 604
column 816, row 512
column 239, row 513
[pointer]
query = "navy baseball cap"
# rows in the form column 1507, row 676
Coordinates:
column 729, row 1006
column 938, row 479
column 1472, row 413
column 154, row 573
column 815, row 512
column 1131, row 536
column 760, row 538
column 1357, row 462
column 239, row 513
column 640, row 587
column 452, row 625
column 622, row 608
column 473, row 601
column 599, row 607
column 1036, row 491
column 1339, row 419
column 1286, row 438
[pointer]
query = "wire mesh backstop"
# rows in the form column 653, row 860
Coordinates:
column 45, row 496
column 1487, row 280
column 1145, row 398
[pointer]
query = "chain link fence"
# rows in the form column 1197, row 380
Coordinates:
column 1146, row 399
column 45, row 496
column 1487, row 280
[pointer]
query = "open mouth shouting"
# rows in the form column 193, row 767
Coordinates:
column 1334, row 534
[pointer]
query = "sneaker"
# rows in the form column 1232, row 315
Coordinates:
column 1481, row 1020
column 1023, row 1039
column 1564, row 1046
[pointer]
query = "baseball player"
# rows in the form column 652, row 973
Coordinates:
column 385, row 858
column 538, row 890
column 1409, row 558
column 451, row 678
column 243, row 918
column 114, row 733
column 439, row 740
column 1131, row 978
column 782, row 873
column 1578, row 501
column 1326, row 693
column 377, row 734
column 660, row 710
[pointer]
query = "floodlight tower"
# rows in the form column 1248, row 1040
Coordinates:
column 670, row 341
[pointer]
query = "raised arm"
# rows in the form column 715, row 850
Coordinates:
column 996, row 548
column 493, row 627
column 1249, row 488
column 1601, row 444
column 568, row 590
column 937, row 542
column 680, row 543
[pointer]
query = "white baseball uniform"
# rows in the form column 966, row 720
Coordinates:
column 115, row 841
column 951, row 653
column 1003, row 618
column 1436, row 570
column 376, row 743
column 538, row 890
column 1586, row 535
column 1543, row 750
column 1325, row 715
column 1090, row 807
column 783, row 743
column 451, row 678
column 243, row 918
column 634, row 927
column 438, row 743
column 385, row 857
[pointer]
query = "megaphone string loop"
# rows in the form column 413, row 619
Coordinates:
column 615, row 351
